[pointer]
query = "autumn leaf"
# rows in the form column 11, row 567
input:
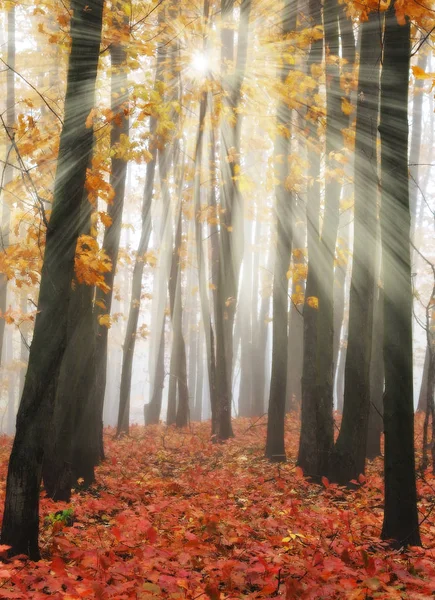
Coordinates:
column 420, row 73
column 104, row 320
column 325, row 482
column 346, row 106
column 313, row 302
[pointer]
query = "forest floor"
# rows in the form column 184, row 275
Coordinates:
column 176, row 516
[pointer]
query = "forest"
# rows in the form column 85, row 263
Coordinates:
column 217, row 299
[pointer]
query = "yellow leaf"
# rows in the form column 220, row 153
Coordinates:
column 104, row 320
column 313, row 301
column 346, row 106
column 419, row 73
column 106, row 219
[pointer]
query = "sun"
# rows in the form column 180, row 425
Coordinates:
column 200, row 63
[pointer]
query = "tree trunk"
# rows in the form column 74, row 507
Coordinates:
column 7, row 175
column 348, row 54
column 154, row 407
column 10, row 382
column 231, row 230
column 400, row 514
column 422, row 398
column 260, row 342
column 348, row 457
column 296, row 319
column 335, row 121
column 112, row 234
column 414, row 151
column 136, row 291
column 194, row 359
column 375, row 426
column 245, row 312
column 198, row 406
column 21, row 515
column 340, row 326
column 308, row 451
column 284, row 212
column 71, row 411
column 178, row 366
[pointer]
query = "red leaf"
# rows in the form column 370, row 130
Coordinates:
column 212, row 591
column 299, row 472
column 152, row 534
column 325, row 482
column 361, row 478
column 58, row 566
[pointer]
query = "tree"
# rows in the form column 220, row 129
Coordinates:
column 348, row 457
column 284, row 211
column 8, row 169
column 308, row 452
column 231, row 229
column 66, row 445
column 136, row 290
column 400, row 510
column 20, row 520
column 112, row 233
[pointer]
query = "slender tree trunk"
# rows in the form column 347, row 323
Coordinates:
column 112, row 234
column 21, row 515
column 308, row 449
column 154, row 407
column 348, row 457
column 178, row 371
column 231, row 230
column 136, row 291
column 325, row 340
column 340, row 285
column 10, row 379
column 400, row 512
column 260, row 343
column 375, row 426
column 194, row 359
column 284, row 213
column 199, row 384
column 414, row 151
column 348, row 53
column 296, row 320
column 7, row 175
column 24, row 346
column 422, row 398
column 245, row 311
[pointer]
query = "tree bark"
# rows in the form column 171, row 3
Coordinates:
column 154, row 407
column 296, row 320
column 308, row 451
column 112, row 234
column 284, row 213
column 70, row 417
column 348, row 457
column 422, row 398
column 231, row 230
column 8, row 169
column 400, row 511
column 375, row 426
column 136, row 291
